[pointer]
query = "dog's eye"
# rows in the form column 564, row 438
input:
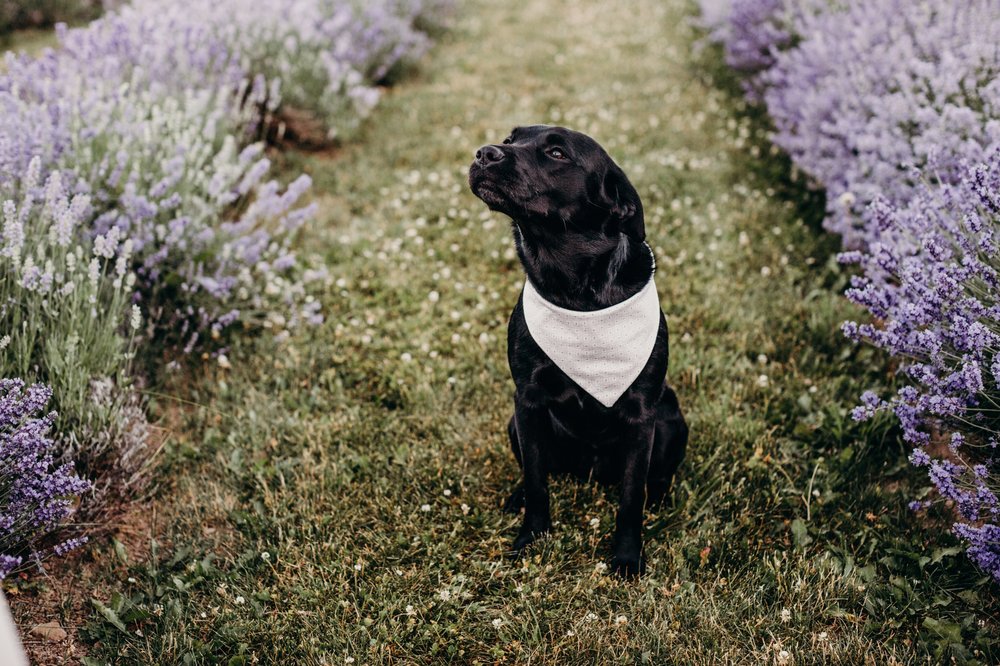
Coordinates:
column 557, row 153
column 507, row 140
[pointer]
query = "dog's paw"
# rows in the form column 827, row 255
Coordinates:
column 628, row 567
column 526, row 537
column 515, row 502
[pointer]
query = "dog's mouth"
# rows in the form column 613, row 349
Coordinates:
column 483, row 187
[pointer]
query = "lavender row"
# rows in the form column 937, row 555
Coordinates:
column 137, row 209
column 893, row 107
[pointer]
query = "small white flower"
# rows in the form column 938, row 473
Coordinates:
column 620, row 620
column 595, row 522
column 425, row 507
column 433, row 297
column 357, row 566
column 497, row 623
column 600, row 567
column 410, row 610
column 765, row 271
column 570, row 633
column 406, row 357
column 447, row 492
column 348, row 660
column 136, row 318
column 465, row 509
column 786, row 615
column 266, row 556
column 452, row 380
column 823, row 636
column 223, row 361
column 763, row 381
column 784, row 658
column 445, row 594
column 590, row 617
column 240, row 601
column 4, row 341
column 762, row 359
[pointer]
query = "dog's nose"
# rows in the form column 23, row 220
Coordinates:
column 489, row 154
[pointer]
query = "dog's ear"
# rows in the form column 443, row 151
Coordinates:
column 624, row 204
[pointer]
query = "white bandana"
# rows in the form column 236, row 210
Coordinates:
column 603, row 351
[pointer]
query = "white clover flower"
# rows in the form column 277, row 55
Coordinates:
column 434, row 297
column 763, row 381
column 620, row 620
column 406, row 357
column 497, row 623
column 445, row 594
column 590, row 617
column 465, row 507
column 240, row 601
column 784, row 658
column 425, row 507
column 266, row 556
column 595, row 523
column 223, row 362
column 786, row 615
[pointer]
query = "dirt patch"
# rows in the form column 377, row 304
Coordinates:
column 62, row 592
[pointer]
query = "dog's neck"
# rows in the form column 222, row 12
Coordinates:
column 584, row 274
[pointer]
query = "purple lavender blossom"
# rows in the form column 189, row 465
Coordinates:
column 932, row 280
column 36, row 495
column 876, row 88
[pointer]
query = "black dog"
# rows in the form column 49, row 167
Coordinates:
column 579, row 232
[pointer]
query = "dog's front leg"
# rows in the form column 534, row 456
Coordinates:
column 534, row 428
column 626, row 558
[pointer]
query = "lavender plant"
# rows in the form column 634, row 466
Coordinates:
column 874, row 89
column 36, row 494
column 127, row 78
column 67, row 319
column 932, row 283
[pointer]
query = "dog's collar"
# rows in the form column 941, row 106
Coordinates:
column 604, row 350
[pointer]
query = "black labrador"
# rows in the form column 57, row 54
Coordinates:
column 579, row 232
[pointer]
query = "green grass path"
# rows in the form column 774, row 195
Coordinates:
column 335, row 496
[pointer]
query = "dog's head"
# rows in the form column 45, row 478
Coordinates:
column 553, row 180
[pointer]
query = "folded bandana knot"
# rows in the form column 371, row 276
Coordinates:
column 603, row 351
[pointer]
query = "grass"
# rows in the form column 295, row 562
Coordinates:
column 334, row 497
